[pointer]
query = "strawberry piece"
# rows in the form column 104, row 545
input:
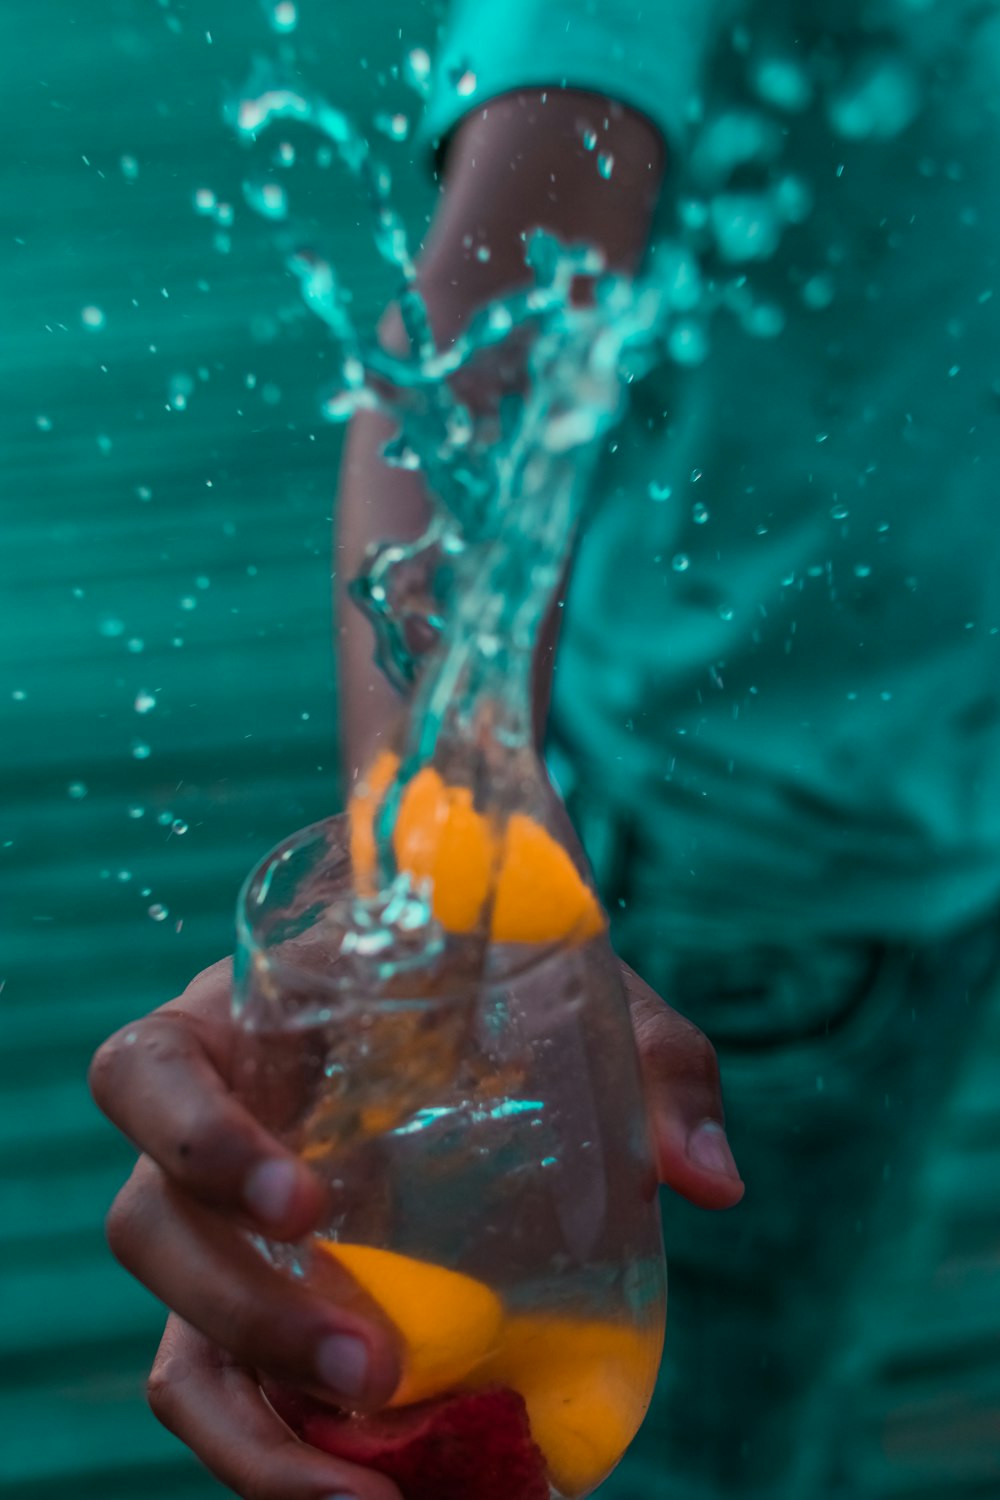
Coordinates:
column 473, row 1446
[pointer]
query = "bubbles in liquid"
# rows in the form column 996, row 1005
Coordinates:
column 144, row 702
column 158, row 912
column 267, row 198
column 606, row 164
column 77, row 790
column 93, row 317
column 283, row 15
column 140, row 750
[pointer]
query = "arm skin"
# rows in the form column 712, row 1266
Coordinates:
column 518, row 164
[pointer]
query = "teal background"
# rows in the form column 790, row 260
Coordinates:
column 230, row 558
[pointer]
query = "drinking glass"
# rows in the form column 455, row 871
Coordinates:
column 482, row 1133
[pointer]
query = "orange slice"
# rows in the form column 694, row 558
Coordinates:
column 538, row 893
column 586, row 1384
column 365, row 798
column 448, row 1323
column 540, row 896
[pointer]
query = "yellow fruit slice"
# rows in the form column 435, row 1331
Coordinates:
column 365, row 798
column 540, row 896
column 448, row 1323
column 439, row 836
column 586, row 1384
column 538, row 893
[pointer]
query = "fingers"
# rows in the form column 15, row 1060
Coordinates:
column 207, row 1271
column 159, row 1080
column 202, row 1396
column 684, row 1095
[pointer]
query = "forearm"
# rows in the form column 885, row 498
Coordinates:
column 519, row 165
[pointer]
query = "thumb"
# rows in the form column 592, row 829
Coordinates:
column 680, row 1075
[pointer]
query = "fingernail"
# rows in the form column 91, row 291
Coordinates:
column 269, row 1190
column 708, row 1147
column 342, row 1364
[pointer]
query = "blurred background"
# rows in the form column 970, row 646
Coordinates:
column 166, row 693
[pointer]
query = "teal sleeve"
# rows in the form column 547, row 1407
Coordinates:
column 646, row 54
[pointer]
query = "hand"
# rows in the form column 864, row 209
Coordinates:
column 209, row 1172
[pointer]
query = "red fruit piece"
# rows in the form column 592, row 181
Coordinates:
column 475, row 1446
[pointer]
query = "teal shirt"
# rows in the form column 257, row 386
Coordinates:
column 781, row 654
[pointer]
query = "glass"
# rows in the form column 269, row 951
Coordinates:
column 487, row 1131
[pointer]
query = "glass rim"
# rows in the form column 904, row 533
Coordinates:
column 249, row 943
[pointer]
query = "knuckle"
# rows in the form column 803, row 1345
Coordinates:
column 125, row 1225
column 161, row 1390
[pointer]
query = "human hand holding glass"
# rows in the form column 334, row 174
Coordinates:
column 210, row 1173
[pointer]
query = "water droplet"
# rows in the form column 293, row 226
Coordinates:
column 179, row 389
column 285, row 154
column 659, row 492
column 462, row 79
column 783, row 82
column 818, row 292
column 681, row 563
column 179, row 827
column 19, row 695
column 158, row 912
column 589, row 140
column 862, row 570
column 606, row 164
column 725, row 612
column 144, row 702
column 267, row 198
column 839, row 512
column 188, row 601
column 699, row 514
column 135, row 644
column 417, row 70
column 77, row 790
column 110, row 627
column 204, row 201
column 483, row 253
column 396, row 127
column 129, row 167
column 44, row 424
column 135, row 812
column 270, row 394
column 283, row 16
column 92, row 317
column 687, row 343
column 696, row 474
column 140, row 750
column 104, row 443
column 143, row 492
column 124, row 876
column 765, row 321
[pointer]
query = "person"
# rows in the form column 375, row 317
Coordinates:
column 774, row 716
